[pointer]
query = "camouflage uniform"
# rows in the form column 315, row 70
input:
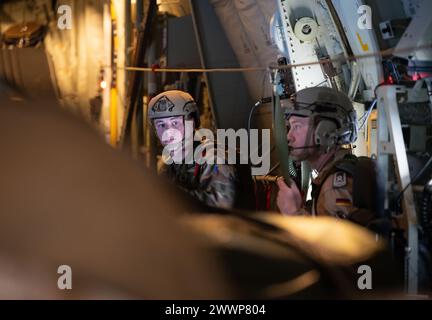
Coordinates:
column 213, row 184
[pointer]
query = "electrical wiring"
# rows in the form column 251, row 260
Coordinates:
column 364, row 118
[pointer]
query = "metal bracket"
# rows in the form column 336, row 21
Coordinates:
column 391, row 142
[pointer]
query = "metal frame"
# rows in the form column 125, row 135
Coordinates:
column 389, row 124
column 391, row 143
column 362, row 41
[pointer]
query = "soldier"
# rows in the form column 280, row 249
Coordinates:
column 211, row 183
column 320, row 120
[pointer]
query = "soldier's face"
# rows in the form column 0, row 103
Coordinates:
column 170, row 130
column 299, row 136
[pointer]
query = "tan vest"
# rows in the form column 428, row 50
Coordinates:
column 335, row 196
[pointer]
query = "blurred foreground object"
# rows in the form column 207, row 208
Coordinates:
column 66, row 198
column 269, row 256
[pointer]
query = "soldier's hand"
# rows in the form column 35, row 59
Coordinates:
column 289, row 199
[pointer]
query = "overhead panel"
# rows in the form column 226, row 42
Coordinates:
column 300, row 29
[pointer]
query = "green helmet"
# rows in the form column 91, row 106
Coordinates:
column 173, row 103
column 323, row 104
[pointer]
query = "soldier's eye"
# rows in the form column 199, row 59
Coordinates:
column 177, row 123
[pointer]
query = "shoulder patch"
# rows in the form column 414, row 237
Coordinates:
column 339, row 179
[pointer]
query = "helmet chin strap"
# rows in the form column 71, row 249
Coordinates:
column 305, row 147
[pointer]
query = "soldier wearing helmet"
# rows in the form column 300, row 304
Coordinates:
column 320, row 121
column 211, row 183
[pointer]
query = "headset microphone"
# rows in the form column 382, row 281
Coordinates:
column 305, row 147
